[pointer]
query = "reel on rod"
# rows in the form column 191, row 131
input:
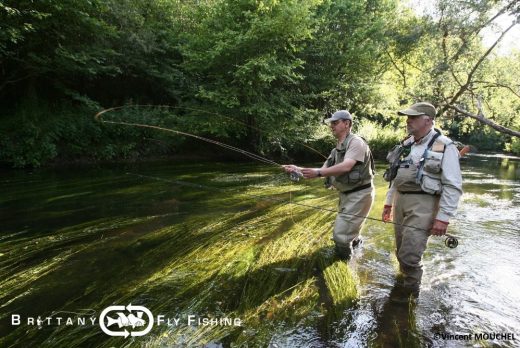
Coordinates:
column 295, row 176
column 451, row 241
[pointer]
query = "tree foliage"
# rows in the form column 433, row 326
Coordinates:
column 450, row 66
column 255, row 73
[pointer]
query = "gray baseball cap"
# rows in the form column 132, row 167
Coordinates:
column 339, row 115
column 419, row 109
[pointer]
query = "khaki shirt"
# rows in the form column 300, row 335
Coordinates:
column 451, row 177
column 356, row 150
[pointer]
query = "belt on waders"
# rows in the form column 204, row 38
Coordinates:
column 415, row 193
column 359, row 188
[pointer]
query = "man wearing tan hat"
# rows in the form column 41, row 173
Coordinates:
column 349, row 169
column 426, row 184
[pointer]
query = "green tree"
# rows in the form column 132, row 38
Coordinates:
column 61, row 60
column 243, row 58
column 282, row 66
column 347, row 55
column 451, row 67
column 45, row 43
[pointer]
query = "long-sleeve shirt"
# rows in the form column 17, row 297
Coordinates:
column 451, row 177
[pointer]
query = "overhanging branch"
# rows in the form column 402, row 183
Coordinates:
column 488, row 84
column 480, row 117
column 469, row 78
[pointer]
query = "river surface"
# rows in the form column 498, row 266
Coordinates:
column 195, row 242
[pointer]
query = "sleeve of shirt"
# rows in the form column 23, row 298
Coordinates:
column 389, row 200
column 356, row 150
column 451, row 179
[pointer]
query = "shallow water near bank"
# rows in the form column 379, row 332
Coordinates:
column 76, row 241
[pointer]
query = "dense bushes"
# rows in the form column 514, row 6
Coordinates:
column 276, row 68
column 38, row 133
column 380, row 139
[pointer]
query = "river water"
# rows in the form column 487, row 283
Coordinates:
column 199, row 241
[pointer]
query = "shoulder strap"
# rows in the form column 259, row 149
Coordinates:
column 371, row 157
column 437, row 134
column 402, row 142
column 438, row 146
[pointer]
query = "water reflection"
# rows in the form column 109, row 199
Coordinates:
column 397, row 325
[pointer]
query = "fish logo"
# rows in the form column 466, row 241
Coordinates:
column 126, row 317
column 130, row 320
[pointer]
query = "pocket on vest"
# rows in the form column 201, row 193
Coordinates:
column 354, row 177
column 431, row 185
column 432, row 162
column 405, row 178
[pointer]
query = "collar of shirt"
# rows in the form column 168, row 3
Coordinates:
column 418, row 148
column 424, row 139
column 342, row 146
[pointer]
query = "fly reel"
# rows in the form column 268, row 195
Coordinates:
column 296, row 176
column 451, row 241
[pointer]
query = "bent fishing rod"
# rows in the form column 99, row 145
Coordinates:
column 211, row 141
column 451, row 241
column 98, row 117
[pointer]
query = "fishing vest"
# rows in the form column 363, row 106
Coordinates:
column 425, row 176
column 360, row 174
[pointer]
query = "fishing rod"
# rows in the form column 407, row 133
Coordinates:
column 100, row 113
column 211, row 141
column 451, row 241
column 294, row 175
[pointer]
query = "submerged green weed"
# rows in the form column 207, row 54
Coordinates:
column 341, row 284
column 244, row 253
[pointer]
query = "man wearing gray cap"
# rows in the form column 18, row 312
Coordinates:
column 426, row 184
column 349, row 169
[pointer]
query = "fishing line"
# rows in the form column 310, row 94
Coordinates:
column 452, row 243
column 451, row 240
column 294, row 176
